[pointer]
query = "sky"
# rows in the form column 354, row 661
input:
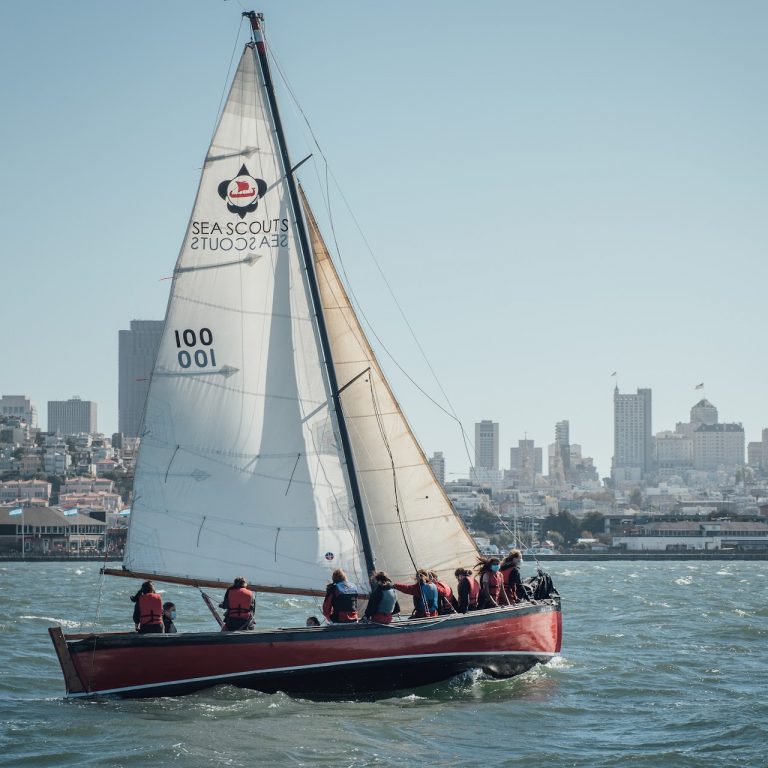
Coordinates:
column 552, row 191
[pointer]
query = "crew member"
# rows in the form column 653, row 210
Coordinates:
column 510, row 571
column 491, row 582
column 169, row 614
column 424, row 594
column 446, row 602
column 239, row 605
column 148, row 611
column 468, row 590
column 383, row 601
column 340, row 604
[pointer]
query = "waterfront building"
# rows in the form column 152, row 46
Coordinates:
column 137, row 349
column 708, row 536
column 487, row 445
column 632, row 436
column 437, row 462
column 71, row 417
column 19, row 406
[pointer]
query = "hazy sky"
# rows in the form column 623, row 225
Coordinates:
column 555, row 191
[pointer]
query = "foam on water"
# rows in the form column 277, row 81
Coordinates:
column 647, row 650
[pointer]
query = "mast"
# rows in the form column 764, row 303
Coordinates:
column 258, row 39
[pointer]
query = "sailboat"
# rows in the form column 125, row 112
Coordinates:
column 272, row 447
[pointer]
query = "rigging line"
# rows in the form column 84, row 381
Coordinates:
column 327, row 196
column 171, row 462
column 394, row 473
column 290, row 479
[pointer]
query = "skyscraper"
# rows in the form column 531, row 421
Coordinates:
column 437, row 462
column 137, row 352
column 632, row 436
column 71, row 417
column 487, row 445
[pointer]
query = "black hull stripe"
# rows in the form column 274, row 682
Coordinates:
column 218, row 679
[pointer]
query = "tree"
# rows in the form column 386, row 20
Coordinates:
column 484, row 520
column 636, row 498
column 563, row 523
column 594, row 522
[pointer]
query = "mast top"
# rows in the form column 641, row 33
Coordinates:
column 256, row 20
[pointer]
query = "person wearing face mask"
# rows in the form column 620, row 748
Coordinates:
column 510, row 571
column 491, row 582
column 169, row 614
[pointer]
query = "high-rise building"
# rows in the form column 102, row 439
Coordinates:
column 137, row 351
column 19, row 406
column 563, row 441
column 487, row 445
column 718, row 446
column 525, row 463
column 437, row 462
column 632, row 436
column 71, row 417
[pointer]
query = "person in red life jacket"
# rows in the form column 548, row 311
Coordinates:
column 446, row 602
column 169, row 614
column 424, row 593
column 510, row 571
column 148, row 611
column 239, row 604
column 383, row 602
column 491, row 582
column 340, row 604
column 468, row 590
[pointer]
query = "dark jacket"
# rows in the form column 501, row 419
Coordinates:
column 340, row 604
column 381, row 598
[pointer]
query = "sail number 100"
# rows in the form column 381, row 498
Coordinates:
column 204, row 356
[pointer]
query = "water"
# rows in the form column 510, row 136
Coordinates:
column 663, row 664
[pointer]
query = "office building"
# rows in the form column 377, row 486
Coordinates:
column 487, row 445
column 137, row 352
column 632, row 436
column 437, row 462
column 71, row 417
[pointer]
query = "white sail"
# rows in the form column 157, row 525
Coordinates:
column 239, row 471
column 411, row 522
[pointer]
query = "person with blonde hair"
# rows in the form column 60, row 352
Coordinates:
column 340, row 604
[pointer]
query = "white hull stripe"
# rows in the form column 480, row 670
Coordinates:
column 304, row 667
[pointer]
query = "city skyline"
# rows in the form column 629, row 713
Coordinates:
column 598, row 208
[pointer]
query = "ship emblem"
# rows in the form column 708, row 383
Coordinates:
column 242, row 193
column 329, row 555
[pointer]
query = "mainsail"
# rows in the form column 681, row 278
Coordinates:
column 240, row 470
column 410, row 520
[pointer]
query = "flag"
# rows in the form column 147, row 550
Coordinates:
column 614, row 373
column 15, row 512
column 70, row 512
column 699, row 386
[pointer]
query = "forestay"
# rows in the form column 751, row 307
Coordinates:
column 239, row 471
column 410, row 520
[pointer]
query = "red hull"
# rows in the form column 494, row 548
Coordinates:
column 339, row 660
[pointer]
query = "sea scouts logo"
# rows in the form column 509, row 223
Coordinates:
column 329, row 555
column 242, row 193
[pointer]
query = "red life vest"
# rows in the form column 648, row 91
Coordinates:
column 493, row 583
column 474, row 591
column 509, row 584
column 151, row 609
column 239, row 602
